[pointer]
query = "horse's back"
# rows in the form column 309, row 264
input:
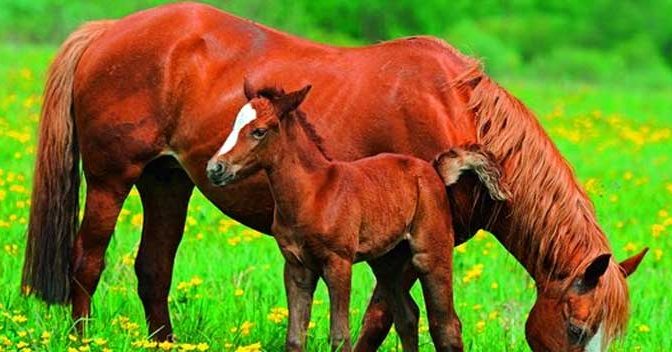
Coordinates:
column 169, row 81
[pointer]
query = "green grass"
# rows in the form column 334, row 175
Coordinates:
column 228, row 279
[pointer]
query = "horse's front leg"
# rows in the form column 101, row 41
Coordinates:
column 338, row 276
column 300, row 284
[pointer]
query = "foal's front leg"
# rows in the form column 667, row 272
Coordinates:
column 338, row 276
column 300, row 284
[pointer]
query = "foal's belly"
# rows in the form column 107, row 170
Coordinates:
column 372, row 251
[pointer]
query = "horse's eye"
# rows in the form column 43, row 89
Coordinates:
column 576, row 333
column 259, row 133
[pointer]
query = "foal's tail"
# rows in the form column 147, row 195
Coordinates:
column 54, row 207
column 451, row 163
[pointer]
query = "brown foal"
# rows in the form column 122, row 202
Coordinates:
column 331, row 214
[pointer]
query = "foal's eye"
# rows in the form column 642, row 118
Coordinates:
column 259, row 133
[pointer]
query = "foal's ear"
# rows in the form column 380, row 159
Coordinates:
column 595, row 270
column 291, row 101
column 248, row 90
column 629, row 265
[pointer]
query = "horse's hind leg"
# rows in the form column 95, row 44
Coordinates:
column 104, row 199
column 395, row 275
column 165, row 190
column 376, row 323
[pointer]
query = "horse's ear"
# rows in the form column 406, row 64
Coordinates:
column 594, row 271
column 629, row 265
column 291, row 101
column 248, row 90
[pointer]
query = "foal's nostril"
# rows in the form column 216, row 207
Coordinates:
column 215, row 168
column 218, row 173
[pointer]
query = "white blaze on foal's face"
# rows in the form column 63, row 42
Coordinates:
column 246, row 115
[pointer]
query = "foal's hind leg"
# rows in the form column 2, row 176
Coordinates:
column 104, row 200
column 165, row 190
column 432, row 248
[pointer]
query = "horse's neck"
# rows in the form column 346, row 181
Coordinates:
column 295, row 169
column 552, row 240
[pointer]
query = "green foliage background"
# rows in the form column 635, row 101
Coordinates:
column 623, row 41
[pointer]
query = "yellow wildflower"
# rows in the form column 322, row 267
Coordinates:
column 480, row 326
column 630, row 247
column 255, row 347
column 657, row 230
column 166, row 345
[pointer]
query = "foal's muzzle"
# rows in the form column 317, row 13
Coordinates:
column 220, row 173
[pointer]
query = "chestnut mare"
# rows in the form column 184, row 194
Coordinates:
column 331, row 214
column 146, row 100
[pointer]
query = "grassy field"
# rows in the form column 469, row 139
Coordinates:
column 227, row 293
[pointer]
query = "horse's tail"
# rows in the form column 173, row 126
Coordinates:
column 451, row 163
column 54, row 207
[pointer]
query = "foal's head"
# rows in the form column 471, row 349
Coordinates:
column 583, row 311
column 254, row 132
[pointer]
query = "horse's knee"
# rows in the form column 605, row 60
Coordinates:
column 149, row 280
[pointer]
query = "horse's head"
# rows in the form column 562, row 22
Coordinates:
column 574, row 314
column 254, row 132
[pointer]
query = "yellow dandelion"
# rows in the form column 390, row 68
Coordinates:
column 187, row 347
column 99, row 341
column 166, row 345
column 21, row 344
column 278, row 314
column 238, row 292
column 136, row 220
column 643, row 328
column 657, row 230
column 202, row 346
column 461, row 248
column 658, row 254
column 630, row 247
column 255, row 347
column 245, row 328
column 473, row 273
column 19, row 319
column 480, row 326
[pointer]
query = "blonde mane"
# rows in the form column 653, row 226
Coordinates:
column 551, row 225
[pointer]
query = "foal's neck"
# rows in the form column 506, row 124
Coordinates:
column 295, row 167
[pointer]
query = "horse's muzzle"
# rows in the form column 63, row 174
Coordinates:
column 220, row 173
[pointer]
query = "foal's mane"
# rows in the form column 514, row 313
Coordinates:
column 271, row 93
column 551, row 221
